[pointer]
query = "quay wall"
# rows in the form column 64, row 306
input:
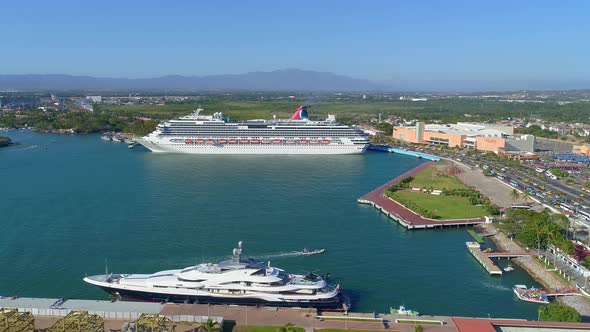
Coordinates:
column 404, row 152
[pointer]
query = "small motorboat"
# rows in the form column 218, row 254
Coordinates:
column 403, row 311
column 312, row 251
column 508, row 269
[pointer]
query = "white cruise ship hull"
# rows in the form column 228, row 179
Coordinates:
column 317, row 149
column 212, row 134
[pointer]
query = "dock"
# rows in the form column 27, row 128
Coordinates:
column 405, row 216
column 475, row 236
column 483, row 259
column 43, row 313
column 385, row 148
column 506, row 254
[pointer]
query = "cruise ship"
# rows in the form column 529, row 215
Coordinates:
column 235, row 281
column 216, row 134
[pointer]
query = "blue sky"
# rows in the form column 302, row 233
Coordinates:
column 387, row 41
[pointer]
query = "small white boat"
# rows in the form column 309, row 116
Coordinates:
column 508, row 269
column 312, row 251
column 403, row 311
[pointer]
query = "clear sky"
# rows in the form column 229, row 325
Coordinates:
column 386, row 41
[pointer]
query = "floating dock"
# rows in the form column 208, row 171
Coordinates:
column 483, row 259
column 476, row 236
column 403, row 215
column 385, row 148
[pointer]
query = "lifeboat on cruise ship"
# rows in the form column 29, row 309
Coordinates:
column 199, row 140
column 276, row 141
column 222, row 140
column 255, row 141
column 290, row 141
column 244, row 140
column 314, row 141
column 188, row 141
column 303, row 141
column 210, row 141
column 265, row 141
column 325, row 141
column 233, row 140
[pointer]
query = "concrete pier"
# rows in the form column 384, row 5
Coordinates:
column 483, row 259
column 403, row 215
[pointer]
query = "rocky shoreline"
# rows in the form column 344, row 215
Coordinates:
column 548, row 279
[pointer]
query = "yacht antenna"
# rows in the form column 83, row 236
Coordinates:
column 106, row 267
column 202, row 253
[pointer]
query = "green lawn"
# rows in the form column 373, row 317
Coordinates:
column 250, row 328
column 425, row 179
column 446, row 207
column 243, row 110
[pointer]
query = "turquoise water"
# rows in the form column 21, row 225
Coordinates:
column 69, row 202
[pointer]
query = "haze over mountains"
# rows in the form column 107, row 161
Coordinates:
column 287, row 79
column 278, row 80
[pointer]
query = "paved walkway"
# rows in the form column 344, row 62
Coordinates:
column 306, row 318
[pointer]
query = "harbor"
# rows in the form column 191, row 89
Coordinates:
column 174, row 195
column 485, row 258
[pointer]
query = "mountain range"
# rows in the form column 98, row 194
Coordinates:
column 285, row 80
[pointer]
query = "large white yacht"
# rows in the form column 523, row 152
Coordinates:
column 216, row 134
column 235, row 281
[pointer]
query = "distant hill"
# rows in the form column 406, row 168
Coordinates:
column 286, row 79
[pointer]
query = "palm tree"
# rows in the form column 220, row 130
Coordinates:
column 287, row 328
column 526, row 195
column 515, row 195
column 210, row 326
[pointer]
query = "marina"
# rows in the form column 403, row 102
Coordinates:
column 485, row 258
column 186, row 198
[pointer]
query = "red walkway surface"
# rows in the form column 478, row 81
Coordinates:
column 403, row 215
column 490, row 325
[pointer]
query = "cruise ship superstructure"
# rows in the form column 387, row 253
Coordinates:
column 235, row 281
column 215, row 134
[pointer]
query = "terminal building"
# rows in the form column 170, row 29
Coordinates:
column 482, row 136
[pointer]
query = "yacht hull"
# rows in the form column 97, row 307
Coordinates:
column 333, row 303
